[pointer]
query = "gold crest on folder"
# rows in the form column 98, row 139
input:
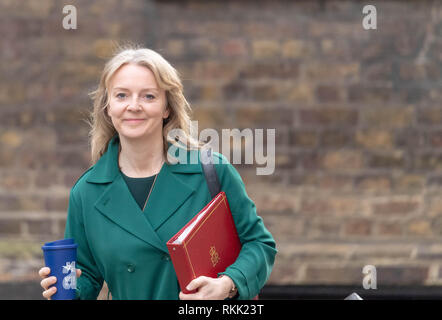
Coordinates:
column 214, row 256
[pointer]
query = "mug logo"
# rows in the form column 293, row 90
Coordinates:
column 70, row 281
column 214, row 256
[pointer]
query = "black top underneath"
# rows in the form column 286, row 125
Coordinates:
column 139, row 188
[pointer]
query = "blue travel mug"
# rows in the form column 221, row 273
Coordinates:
column 60, row 256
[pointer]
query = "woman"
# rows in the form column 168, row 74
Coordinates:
column 133, row 199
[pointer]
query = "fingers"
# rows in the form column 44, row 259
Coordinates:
column 207, row 289
column 190, row 296
column 193, row 285
column 49, row 293
column 184, row 296
column 47, row 282
column 44, row 272
column 196, row 283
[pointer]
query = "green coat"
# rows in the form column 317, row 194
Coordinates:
column 126, row 247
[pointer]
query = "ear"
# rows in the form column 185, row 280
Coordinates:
column 166, row 113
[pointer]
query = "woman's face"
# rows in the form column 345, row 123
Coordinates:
column 137, row 105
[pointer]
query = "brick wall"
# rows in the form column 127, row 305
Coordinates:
column 357, row 114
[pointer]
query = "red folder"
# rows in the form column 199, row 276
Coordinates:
column 207, row 244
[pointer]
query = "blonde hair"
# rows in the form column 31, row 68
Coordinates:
column 167, row 78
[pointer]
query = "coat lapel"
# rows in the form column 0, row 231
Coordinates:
column 118, row 205
column 169, row 192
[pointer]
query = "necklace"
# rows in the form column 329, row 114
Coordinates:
column 150, row 191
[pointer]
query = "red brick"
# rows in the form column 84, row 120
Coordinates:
column 234, row 48
column 254, row 117
column 336, row 138
column 390, row 160
column 430, row 116
column 326, row 93
column 328, row 117
column 343, row 159
column 359, row 93
column 311, row 160
column 435, row 138
column 303, row 138
column 14, row 180
column 395, row 207
column 358, row 227
column 270, row 70
column 334, row 181
column 377, row 71
column 9, row 202
column 390, row 229
column 314, row 206
column 39, row 227
column 389, row 118
column 323, row 228
column 328, row 274
column 428, row 161
column 401, row 275
column 10, row 227
column 373, row 182
column 55, row 203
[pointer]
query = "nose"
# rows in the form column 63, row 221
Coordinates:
column 133, row 105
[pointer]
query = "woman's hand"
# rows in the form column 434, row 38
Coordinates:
column 208, row 288
column 49, row 281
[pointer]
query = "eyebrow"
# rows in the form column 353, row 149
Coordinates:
column 144, row 89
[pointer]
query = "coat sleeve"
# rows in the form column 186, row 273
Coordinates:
column 90, row 282
column 254, row 264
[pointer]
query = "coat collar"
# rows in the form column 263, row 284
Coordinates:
column 169, row 192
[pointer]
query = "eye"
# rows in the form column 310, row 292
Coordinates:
column 121, row 95
column 149, row 96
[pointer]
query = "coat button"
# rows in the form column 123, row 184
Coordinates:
column 130, row 268
column 166, row 257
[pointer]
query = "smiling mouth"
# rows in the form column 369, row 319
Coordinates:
column 134, row 120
